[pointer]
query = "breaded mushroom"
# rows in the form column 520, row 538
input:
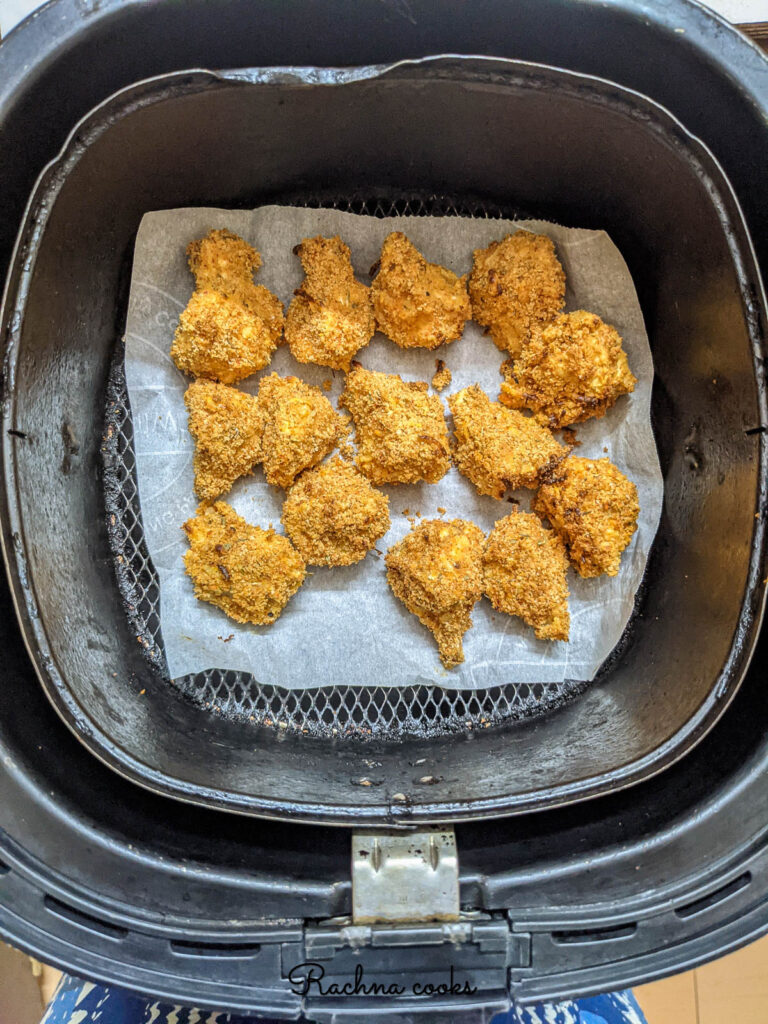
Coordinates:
column 300, row 427
column 524, row 574
column 224, row 262
column 331, row 317
column 497, row 448
column 401, row 433
column 219, row 338
column 515, row 284
column 333, row 515
column 249, row 573
column 231, row 326
column 436, row 571
column 594, row 509
column 226, row 426
column 417, row 304
column 571, row 370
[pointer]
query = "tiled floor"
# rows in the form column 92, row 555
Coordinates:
column 733, row 990
column 20, row 999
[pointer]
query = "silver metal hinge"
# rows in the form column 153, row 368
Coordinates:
column 401, row 877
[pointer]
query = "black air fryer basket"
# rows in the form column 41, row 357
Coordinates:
column 456, row 134
column 119, row 880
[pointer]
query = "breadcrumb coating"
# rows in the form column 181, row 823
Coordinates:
column 516, row 284
column 220, row 339
column 222, row 261
column 226, row 426
column 401, row 432
column 300, row 427
column 524, row 573
column 442, row 377
column 594, row 509
column 331, row 317
column 249, row 573
column 497, row 448
column 571, row 370
column 436, row 571
column 231, row 326
column 417, row 304
column 333, row 515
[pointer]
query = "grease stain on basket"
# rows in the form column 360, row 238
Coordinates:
column 71, row 447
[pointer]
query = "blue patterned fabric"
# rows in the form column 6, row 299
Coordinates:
column 82, row 1002
column 613, row 1008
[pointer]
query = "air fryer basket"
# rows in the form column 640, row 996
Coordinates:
column 330, row 711
column 517, row 137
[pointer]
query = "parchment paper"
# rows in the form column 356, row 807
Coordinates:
column 344, row 626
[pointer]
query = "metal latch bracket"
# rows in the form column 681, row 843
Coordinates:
column 401, row 877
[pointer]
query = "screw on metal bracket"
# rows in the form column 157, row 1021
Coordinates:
column 405, row 876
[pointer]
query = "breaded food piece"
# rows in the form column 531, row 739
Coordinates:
column 516, row 284
column 401, row 433
column 497, row 448
column 226, row 425
column 417, row 304
column 220, row 338
column 436, row 571
column 442, row 377
column 224, row 262
column 524, row 573
column 594, row 509
column 231, row 326
column 300, row 427
column 571, row 369
column 331, row 317
column 333, row 515
column 249, row 573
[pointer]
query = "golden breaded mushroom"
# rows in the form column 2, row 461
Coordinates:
column 300, row 427
column 497, row 448
column 226, row 426
column 571, row 370
column 515, row 284
column 249, row 573
column 224, row 262
column 231, row 326
column 524, row 574
column 594, row 509
column 333, row 515
column 220, row 339
column 401, row 432
column 436, row 571
column 417, row 304
column 331, row 317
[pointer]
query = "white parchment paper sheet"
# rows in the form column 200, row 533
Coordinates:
column 344, row 626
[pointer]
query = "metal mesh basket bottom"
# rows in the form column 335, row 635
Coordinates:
column 362, row 711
